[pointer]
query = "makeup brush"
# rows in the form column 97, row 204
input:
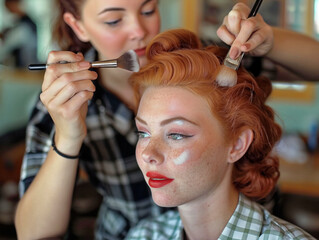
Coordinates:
column 227, row 76
column 128, row 61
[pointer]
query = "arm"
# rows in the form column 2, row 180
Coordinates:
column 44, row 210
column 256, row 37
column 296, row 52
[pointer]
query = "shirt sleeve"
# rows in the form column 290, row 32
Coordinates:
column 38, row 141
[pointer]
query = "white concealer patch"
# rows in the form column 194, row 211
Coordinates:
column 179, row 122
column 181, row 158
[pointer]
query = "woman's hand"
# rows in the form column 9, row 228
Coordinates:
column 65, row 93
column 245, row 34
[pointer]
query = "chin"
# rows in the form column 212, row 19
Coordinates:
column 143, row 61
column 164, row 201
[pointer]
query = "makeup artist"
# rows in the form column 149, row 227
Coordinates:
column 80, row 121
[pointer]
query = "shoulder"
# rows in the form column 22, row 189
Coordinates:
column 251, row 220
column 165, row 226
column 277, row 228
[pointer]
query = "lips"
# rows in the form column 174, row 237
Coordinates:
column 140, row 52
column 157, row 180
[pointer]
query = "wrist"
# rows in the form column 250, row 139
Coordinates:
column 65, row 147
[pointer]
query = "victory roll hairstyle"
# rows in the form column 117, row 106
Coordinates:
column 177, row 59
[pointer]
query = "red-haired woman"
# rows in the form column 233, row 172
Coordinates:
column 204, row 147
column 93, row 121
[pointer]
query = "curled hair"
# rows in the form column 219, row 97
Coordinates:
column 62, row 32
column 177, row 59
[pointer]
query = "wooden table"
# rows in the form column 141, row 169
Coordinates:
column 300, row 178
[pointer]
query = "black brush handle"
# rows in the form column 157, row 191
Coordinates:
column 42, row 66
column 37, row 66
column 255, row 8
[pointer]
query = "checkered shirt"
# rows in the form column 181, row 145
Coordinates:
column 249, row 221
column 108, row 157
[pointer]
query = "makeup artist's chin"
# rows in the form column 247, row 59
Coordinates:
column 141, row 56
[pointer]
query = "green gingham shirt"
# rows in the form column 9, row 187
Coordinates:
column 249, row 221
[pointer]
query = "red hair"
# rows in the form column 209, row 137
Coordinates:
column 176, row 58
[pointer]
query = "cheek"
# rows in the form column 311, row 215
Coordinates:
column 203, row 161
column 182, row 158
column 153, row 27
column 109, row 44
column 138, row 153
column 112, row 45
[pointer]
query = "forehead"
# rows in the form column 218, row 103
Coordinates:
column 100, row 4
column 173, row 101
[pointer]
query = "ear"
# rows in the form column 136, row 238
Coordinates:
column 76, row 26
column 241, row 145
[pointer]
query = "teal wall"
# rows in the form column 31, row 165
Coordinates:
column 17, row 98
column 297, row 116
column 171, row 13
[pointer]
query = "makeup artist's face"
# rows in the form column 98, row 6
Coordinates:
column 115, row 26
column 181, row 149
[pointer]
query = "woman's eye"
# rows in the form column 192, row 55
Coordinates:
column 141, row 134
column 113, row 23
column 177, row 136
column 148, row 13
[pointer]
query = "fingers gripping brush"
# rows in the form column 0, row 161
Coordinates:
column 128, row 61
column 227, row 76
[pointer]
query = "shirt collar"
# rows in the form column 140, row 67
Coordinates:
column 247, row 220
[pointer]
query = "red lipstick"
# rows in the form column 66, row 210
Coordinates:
column 140, row 52
column 157, row 180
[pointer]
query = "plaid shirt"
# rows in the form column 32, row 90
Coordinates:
column 107, row 155
column 249, row 221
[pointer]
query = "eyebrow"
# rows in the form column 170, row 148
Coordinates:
column 110, row 10
column 167, row 121
column 120, row 9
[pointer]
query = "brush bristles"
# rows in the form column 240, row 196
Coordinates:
column 129, row 61
column 227, row 77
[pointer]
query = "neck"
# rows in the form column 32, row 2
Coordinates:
column 206, row 218
column 116, row 81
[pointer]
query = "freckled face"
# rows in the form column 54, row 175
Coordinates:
column 116, row 26
column 180, row 139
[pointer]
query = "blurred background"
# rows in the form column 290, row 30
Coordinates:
column 295, row 101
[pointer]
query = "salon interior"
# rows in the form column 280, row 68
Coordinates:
column 294, row 99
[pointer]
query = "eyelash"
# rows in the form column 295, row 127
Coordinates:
column 178, row 136
column 113, row 23
column 141, row 134
column 148, row 13
column 116, row 22
column 173, row 136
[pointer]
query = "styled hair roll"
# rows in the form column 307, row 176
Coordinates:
column 176, row 58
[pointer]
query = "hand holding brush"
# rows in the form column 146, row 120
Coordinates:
column 228, row 73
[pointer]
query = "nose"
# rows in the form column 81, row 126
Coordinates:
column 138, row 29
column 152, row 153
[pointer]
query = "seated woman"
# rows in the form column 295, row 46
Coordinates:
column 204, row 147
